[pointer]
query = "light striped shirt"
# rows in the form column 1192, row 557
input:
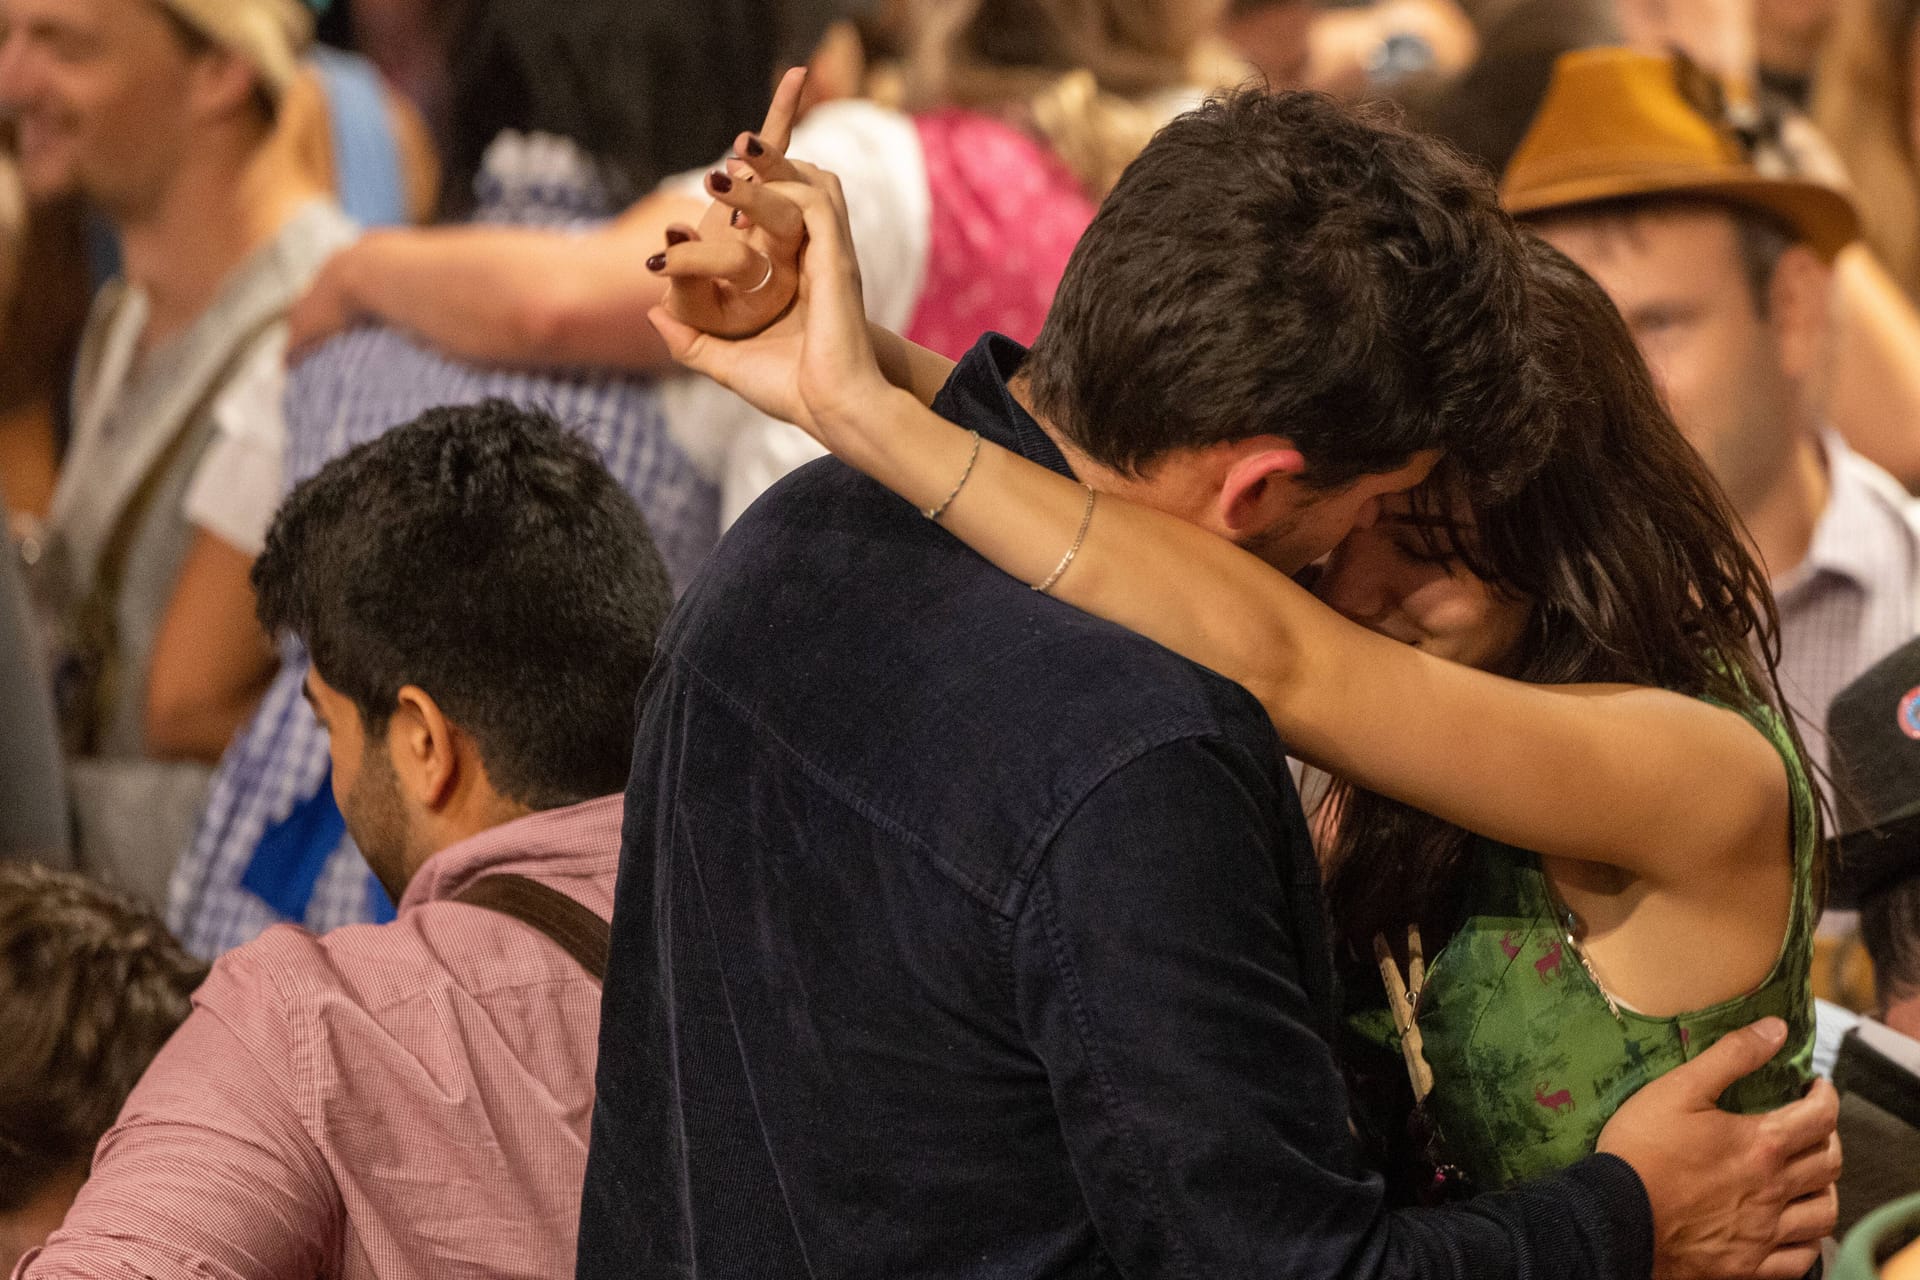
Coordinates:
column 1856, row 596
column 408, row 1101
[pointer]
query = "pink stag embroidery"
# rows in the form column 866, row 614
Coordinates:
column 1548, row 965
column 1556, row 1102
column 1509, row 946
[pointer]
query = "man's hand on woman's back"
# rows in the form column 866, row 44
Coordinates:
column 1732, row 1196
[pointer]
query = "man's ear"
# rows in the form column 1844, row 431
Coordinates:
column 1259, row 489
column 420, row 741
column 1800, row 307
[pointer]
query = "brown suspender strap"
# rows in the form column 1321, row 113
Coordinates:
column 573, row 928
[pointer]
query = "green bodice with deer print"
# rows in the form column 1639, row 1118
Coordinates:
column 1529, row 1058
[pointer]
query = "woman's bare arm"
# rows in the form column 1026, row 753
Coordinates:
column 535, row 298
column 516, row 296
column 211, row 662
column 907, row 365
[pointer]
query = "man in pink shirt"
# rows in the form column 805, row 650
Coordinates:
column 480, row 600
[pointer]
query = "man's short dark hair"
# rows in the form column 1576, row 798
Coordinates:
column 91, row 985
column 484, row 554
column 1890, row 930
column 1280, row 264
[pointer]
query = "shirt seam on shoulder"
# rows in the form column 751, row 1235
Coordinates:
column 842, row 793
column 304, row 1094
column 1167, row 732
column 1149, row 738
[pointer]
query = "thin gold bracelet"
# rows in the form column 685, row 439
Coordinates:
column 934, row 513
column 1086, row 519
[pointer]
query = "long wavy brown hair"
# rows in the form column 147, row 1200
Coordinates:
column 1636, row 567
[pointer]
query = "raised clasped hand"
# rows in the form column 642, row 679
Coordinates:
column 736, row 272
column 814, row 364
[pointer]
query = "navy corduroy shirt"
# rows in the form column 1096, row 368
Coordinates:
column 961, row 934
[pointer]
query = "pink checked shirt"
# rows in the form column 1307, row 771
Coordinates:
column 399, row 1100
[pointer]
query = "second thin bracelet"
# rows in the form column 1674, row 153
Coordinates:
column 1086, row 521
column 934, row 513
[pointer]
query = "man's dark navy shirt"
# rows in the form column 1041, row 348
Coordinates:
column 961, row 934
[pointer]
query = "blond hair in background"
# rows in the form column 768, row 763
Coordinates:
column 270, row 34
column 1093, row 78
column 1863, row 100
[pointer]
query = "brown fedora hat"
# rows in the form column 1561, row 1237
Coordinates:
column 1618, row 124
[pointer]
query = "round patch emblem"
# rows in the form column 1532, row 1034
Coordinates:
column 1910, row 714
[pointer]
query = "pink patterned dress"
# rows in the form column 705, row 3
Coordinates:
column 1006, row 214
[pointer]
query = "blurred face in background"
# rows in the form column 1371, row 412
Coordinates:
column 1734, row 372
column 100, row 92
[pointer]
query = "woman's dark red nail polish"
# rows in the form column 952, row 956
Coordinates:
column 721, row 182
column 754, row 148
column 677, row 236
column 658, row 262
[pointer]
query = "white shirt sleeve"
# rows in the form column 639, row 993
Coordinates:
column 1831, row 1023
column 876, row 154
column 240, row 480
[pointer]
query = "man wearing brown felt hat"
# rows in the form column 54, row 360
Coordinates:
column 161, row 113
column 1686, row 209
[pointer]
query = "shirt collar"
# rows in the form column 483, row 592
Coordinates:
column 552, row 836
column 1864, row 535
column 982, row 377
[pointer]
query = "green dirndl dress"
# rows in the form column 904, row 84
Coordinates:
column 1529, row 1056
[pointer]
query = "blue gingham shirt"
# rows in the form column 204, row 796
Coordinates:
column 352, row 390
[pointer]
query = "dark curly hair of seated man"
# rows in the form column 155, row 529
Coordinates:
column 91, row 986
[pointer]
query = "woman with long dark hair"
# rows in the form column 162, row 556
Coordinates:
column 1553, row 719
column 1618, row 564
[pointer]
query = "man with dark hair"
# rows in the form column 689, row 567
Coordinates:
column 1638, row 171
column 1395, row 336
column 481, row 601
column 982, row 938
column 91, row 985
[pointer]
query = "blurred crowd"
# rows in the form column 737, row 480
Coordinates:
column 335, row 424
